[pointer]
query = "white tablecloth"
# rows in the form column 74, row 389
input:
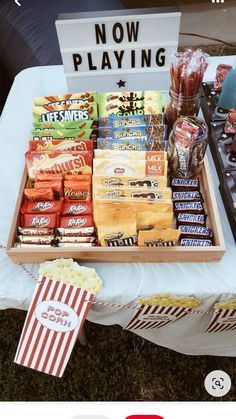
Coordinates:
column 209, row 282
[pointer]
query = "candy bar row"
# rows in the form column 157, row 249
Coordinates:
column 190, row 213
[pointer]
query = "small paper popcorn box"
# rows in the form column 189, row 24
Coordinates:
column 222, row 320
column 54, row 320
column 153, row 317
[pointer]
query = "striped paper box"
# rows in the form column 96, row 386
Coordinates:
column 54, row 320
column 222, row 321
column 153, row 317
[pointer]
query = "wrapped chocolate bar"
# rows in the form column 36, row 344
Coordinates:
column 191, row 219
column 39, row 231
column 151, row 132
column 61, row 145
column 77, row 208
column 131, row 155
column 187, row 147
column 75, row 239
column 63, row 134
column 196, row 242
column 221, row 72
column 32, row 245
column 179, row 184
column 46, row 207
column 127, row 167
column 61, row 113
column 131, row 144
column 117, row 227
column 159, row 238
column 192, row 232
column 58, row 162
column 76, row 231
column 86, row 245
column 187, row 196
column 36, row 239
column 195, row 207
column 48, row 221
column 131, row 120
column 67, row 99
column 42, row 194
column 77, row 191
column 145, row 194
column 84, row 124
column 76, row 221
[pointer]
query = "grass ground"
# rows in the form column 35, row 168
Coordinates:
column 113, row 366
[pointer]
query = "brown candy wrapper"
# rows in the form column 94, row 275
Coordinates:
column 159, row 238
column 117, row 227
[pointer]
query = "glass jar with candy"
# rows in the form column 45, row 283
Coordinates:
column 187, row 146
column 187, row 70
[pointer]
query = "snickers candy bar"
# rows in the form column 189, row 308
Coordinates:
column 76, row 244
column 195, row 207
column 39, row 220
column 178, row 184
column 191, row 219
column 195, row 232
column 196, row 242
column 187, row 196
column 36, row 239
column 35, row 231
column 72, row 239
column 77, row 208
column 79, row 232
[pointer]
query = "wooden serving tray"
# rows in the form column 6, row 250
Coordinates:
column 128, row 254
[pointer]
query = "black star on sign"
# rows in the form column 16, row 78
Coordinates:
column 121, row 83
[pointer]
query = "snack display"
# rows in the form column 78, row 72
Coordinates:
column 84, row 192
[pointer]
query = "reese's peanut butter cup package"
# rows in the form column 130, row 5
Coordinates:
column 61, row 145
column 67, row 99
column 131, row 155
column 60, row 113
column 129, row 181
column 159, row 238
column 145, row 194
column 74, row 162
column 64, row 134
column 127, row 167
column 117, row 227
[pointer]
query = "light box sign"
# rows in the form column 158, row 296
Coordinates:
column 121, row 49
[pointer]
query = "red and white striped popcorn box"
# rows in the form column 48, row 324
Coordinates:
column 54, row 320
column 153, row 317
column 223, row 320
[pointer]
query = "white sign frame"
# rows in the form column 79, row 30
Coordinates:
column 130, row 46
